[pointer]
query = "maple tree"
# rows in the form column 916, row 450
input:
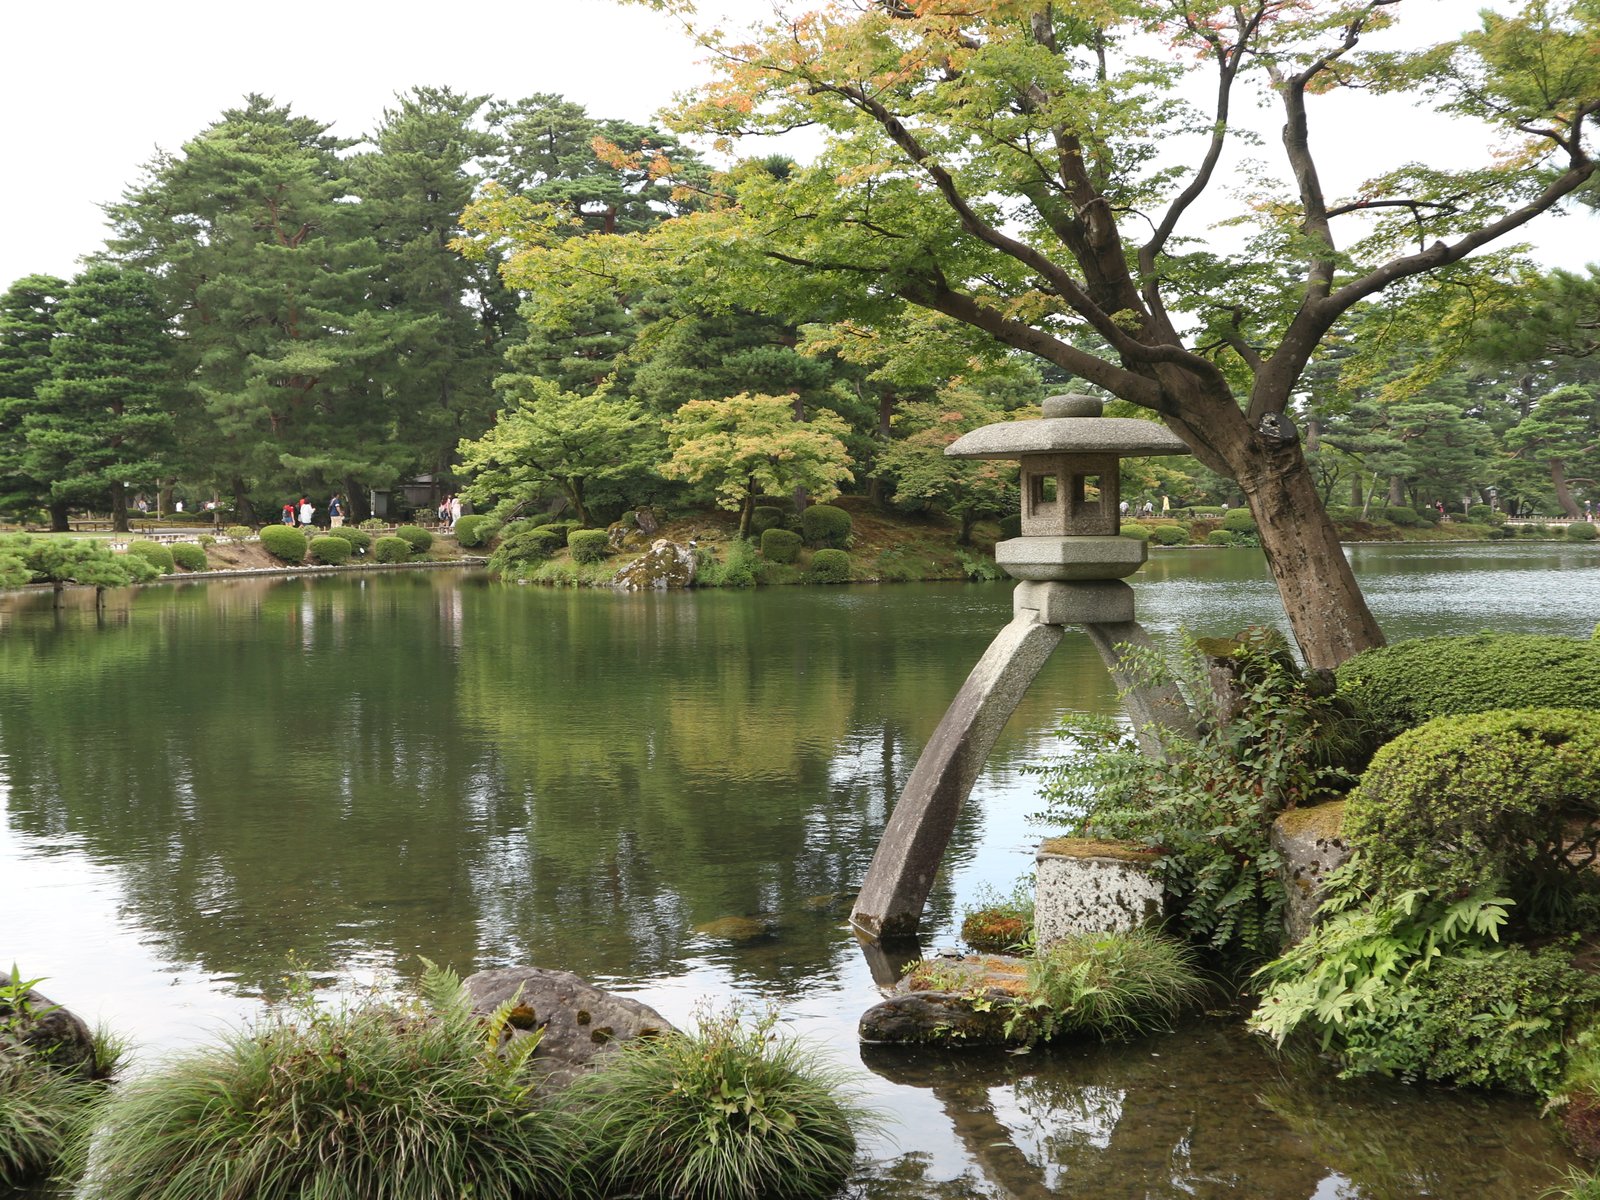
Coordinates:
column 1036, row 171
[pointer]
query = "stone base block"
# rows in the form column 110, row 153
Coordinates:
column 1088, row 886
column 1085, row 602
column 1311, row 843
column 1091, row 557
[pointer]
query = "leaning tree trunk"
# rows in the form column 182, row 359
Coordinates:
column 1324, row 604
column 1558, row 478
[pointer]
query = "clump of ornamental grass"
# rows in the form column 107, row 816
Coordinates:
column 1111, row 985
column 371, row 1101
column 731, row 1111
column 43, row 1117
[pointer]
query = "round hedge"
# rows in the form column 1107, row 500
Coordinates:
column 588, row 545
column 1466, row 800
column 827, row 526
column 284, row 542
column 1582, row 531
column 1398, row 687
column 391, row 549
column 1238, row 520
column 1139, row 533
column 330, row 550
column 360, row 540
column 830, row 566
column 474, row 529
column 1403, row 516
column 189, row 556
column 418, row 538
column 156, row 554
column 1169, row 535
column 780, row 545
column 1221, row 537
column 765, row 517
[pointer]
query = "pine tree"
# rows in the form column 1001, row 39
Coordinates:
column 106, row 417
column 27, row 327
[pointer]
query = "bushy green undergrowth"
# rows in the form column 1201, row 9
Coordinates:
column 1482, row 796
column 765, row 517
column 239, row 533
column 740, row 566
column 189, row 555
column 780, row 545
column 1206, row 805
column 284, row 542
column 731, row 1111
column 44, row 1115
column 588, row 545
column 156, row 554
column 566, row 573
column 475, row 530
column 391, row 550
column 370, row 1102
column 1417, row 985
column 420, row 540
column 1398, row 687
column 330, row 550
column 1582, row 531
column 826, row 526
column 360, row 540
column 830, row 566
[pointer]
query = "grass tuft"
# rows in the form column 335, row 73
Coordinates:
column 729, row 1112
column 43, row 1118
column 1112, row 984
column 367, row 1102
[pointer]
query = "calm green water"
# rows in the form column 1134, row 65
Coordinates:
column 210, row 781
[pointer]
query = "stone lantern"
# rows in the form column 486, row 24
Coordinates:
column 1070, row 563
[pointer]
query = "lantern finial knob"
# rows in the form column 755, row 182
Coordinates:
column 1074, row 404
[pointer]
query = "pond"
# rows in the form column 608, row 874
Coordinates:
column 209, row 785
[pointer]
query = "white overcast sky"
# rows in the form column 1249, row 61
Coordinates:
column 90, row 89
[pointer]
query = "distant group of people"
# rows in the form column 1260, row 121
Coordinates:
column 304, row 513
column 449, row 510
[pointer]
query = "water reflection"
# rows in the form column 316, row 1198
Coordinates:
column 199, row 781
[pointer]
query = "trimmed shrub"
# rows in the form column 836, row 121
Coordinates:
column 1011, row 526
column 207, row 539
column 418, row 538
column 780, row 545
column 330, row 550
column 391, row 549
column 373, row 523
column 189, row 556
column 360, row 540
column 729, row 1111
column 1239, row 520
column 1132, row 530
column 1169, row 535
column 1467, row 799
column 239, row 533
column 765, row 517
column 475, row 530
column 588, row 545
column 376, row 1101
column 157, row 555
column 1582, row 531
column 1480, row 514
column 827, row 526
column 284, row 542
column 1221, row 537
column 1398, row 687
column 830, row 566
column 1402, row 516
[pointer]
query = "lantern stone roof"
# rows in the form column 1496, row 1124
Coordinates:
column 1071, row 425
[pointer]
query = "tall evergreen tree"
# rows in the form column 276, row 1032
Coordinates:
column 270, row 273
column 106, row 417
column 27, row 327
column 454, row 313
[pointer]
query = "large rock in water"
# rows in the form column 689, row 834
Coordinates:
column 577, row 1022
column 1310, row 842
column 962, row 1001
column 35, row 1027
column 665, row 565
